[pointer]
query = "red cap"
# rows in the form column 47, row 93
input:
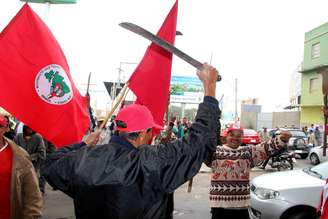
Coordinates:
column 135, row 118
column 3, row 121
column 233, row 127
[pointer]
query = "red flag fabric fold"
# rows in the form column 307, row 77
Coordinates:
column 150, row 81
column 35, row 83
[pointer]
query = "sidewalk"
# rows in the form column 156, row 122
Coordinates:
column 57, row 205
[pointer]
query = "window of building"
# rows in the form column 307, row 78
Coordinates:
column 299, row 99
column 315, row 50
column 314, row 84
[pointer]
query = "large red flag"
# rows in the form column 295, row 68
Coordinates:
column 35, row 83
column 150, row 82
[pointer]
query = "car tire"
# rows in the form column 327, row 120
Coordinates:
column 314, row 159
column 301, row 215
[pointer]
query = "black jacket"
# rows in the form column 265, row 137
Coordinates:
column 118, row 181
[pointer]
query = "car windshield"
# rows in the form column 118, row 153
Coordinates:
column 250, row 132
column 297, row 133
column 319, row 171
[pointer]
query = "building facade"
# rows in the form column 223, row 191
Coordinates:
column 315, row 58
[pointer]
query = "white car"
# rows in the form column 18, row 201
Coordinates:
column 291, row 194
column 316, row 155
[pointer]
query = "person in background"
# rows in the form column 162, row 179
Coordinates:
column 231, row 165
column 10, row 134
column 105, row 132
column 185, row 126
column 311, row 138
column 180, row 129
column 166, row 135
column 264, row 135
column 128, row 178
column 311, row 128
column 112, row 125
column 19, row 127
column 33, row 143
column 20, row 195
column 318, row 137
column 175, row 129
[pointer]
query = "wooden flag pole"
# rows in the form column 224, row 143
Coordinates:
column 121, row 98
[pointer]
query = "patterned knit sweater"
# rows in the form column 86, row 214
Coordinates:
column 230, row 173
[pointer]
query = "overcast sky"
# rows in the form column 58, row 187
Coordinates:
column 259, row 42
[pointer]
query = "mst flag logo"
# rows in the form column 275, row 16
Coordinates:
column 53, row 85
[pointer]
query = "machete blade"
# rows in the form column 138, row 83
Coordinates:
column 163, row 44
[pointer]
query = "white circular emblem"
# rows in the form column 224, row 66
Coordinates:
column 53, row 85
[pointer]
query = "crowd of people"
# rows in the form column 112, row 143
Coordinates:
column 314, row 134
column 119, row 172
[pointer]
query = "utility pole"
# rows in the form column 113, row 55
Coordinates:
column 324, row 72
column 236, row 114
column 118, row 83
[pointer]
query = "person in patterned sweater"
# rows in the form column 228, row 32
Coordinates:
column 231, row 165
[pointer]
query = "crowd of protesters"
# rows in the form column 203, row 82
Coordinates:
column 123, row 176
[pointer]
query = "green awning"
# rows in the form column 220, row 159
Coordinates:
column 52, row 1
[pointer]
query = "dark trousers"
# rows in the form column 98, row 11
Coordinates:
column 226, row 213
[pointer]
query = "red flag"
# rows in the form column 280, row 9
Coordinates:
column 35, row 83
column 150, row 82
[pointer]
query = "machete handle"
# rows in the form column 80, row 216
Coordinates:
column 199, row 66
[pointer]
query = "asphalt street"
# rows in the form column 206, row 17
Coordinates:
column 187, row 205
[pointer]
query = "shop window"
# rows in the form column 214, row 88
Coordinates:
column 315, row 50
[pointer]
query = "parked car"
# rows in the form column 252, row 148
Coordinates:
column 316, row 155
column 250, row 136
column 298, row 142
column 291, row 194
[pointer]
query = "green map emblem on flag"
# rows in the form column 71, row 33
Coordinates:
column 53, row 85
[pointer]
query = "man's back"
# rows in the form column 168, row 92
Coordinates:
column 121, row 186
